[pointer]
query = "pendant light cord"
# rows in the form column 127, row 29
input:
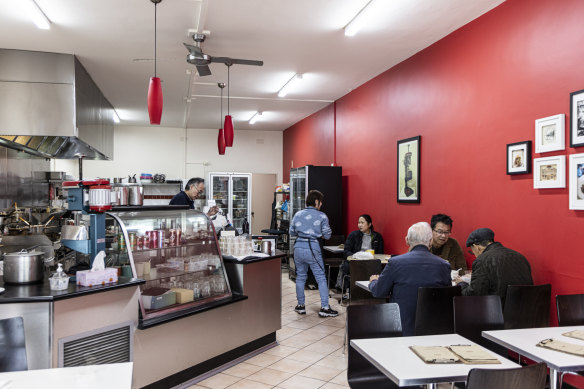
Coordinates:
column 155, row 5
column 228, row 86
column 221, row 117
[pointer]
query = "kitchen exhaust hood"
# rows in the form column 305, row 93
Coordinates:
column 50, row 107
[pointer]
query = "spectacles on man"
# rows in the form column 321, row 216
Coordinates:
column 442, row 232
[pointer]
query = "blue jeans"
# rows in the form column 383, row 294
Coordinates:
column 303, row 259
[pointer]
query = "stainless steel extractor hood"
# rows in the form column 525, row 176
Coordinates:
column 50, row 107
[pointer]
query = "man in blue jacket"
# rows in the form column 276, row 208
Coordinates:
column 405, row 273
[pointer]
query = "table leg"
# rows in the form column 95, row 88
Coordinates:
column 553, row 379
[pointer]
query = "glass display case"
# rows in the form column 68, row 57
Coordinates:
column 232, row 194
column 175, row 251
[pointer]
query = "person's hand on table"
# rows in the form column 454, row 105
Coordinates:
column 213, row 210
column 374, row 277
column 457, row 280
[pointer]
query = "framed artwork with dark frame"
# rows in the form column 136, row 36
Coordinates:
column 549, row 133
column 408, row 170
column 519, row 157
column 549, row 172
column 576, row 186
column 577, row 118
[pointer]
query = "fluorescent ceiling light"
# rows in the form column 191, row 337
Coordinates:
column 291, row 84
column 38, row 16
column 116, row 117
column 255, row 117
column 360, row 19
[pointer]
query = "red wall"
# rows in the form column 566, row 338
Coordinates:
column 468, row 95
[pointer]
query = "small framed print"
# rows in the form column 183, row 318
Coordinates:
column 519, row 157
column 549, row 133
column 549, row 172
column 576, row 181
column 577, row 118
column 408, row 170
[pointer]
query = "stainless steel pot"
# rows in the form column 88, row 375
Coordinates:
column 124, row 195
column 23, row 267
column 267, row 247
column 136, row 195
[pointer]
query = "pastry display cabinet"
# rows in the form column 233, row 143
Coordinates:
column 175, row 251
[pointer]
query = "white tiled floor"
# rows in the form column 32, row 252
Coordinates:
column 309, row 354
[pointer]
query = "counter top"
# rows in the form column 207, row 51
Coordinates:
column 41, row 292
column 252, row 259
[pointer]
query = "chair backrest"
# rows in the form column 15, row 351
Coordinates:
column 527, row 306
column 435, row 311
column 474, row 314
column 369, row 321
column 570, row 309
column 12, row 345
column 528, row 377
column 361, row 270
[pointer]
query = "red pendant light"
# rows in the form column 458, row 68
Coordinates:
column 228, row 120
column 221, row 136
column 155, row 87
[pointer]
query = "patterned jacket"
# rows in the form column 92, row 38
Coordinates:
column 308, row 225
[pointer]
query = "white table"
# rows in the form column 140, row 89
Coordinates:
column 393, row 357
column 110, row 376
column 333, row 249
column 363, row 285
column 524, row 342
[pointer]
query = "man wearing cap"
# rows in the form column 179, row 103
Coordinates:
column 496, row 266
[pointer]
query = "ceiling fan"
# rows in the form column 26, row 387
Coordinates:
column 201, row 60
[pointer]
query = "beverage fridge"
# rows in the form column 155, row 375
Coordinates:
column 326, row 179
column 232, row 193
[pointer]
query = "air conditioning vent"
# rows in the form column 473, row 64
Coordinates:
column 104, row 345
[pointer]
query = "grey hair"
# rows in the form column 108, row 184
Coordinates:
column 419, row 233
column 193, row 181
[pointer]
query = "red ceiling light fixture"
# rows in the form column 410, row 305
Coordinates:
column 221, row 137
column 155, row 87
column 228, row 127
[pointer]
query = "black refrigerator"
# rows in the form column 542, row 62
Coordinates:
column 329, row 181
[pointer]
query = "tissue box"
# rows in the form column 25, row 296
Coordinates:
column 98, row 277
column 183, row 295
column 160, row 301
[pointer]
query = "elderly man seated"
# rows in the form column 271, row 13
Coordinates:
column 405, row 273
column 496, row 266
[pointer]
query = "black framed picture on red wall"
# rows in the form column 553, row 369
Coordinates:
column 408, row 170
column 577, row 118
column 519, row 157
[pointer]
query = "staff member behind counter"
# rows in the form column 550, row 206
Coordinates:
column 194, row 189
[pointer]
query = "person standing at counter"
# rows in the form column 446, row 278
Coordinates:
column 365, row 238
column 495, row 268
column 308, row 226
column 404, row 274
column 443, row 245
column 194, row 189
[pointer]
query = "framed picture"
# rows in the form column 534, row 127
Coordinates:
column 549, row 133
column 577, row 118
column 577, row 181
column 549, row 172
column 408, row 170
column 519, row 157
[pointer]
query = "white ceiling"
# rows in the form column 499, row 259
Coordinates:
column 298, row 36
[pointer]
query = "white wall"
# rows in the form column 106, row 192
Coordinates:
column 162, row 150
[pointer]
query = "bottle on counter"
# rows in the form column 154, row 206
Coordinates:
column 245, row 226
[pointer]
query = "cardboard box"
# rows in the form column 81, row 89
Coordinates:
column 183, row 295
column 160, row 301
column 108, row 275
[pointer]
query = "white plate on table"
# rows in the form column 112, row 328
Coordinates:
column 2, row 290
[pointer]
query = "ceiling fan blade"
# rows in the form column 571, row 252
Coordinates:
column 194, row 50
column 203, row 70
column 236, row 61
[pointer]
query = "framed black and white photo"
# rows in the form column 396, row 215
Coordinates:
column 519, row 157
column 549, row 172
column 576, row 174
column 408, row 170
column 577, row 118
column 549, row 133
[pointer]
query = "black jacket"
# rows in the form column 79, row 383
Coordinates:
column 182, row 199
column 355, row 239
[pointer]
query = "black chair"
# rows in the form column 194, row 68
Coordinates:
column 474, row 314
column 529, row 377
column 527, row 306
column 370, row 321
column 570, row 309
column 362, row 270
column 435, row 311
column 12, row 345
column 332, row 260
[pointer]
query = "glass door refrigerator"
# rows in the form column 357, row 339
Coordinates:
column 328, row 180
column 232, row 193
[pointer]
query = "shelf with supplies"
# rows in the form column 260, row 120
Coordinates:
column 175, row 252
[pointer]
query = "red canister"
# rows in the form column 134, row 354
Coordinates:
column 139, row 242
column 153, row 242
column 172, row 237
